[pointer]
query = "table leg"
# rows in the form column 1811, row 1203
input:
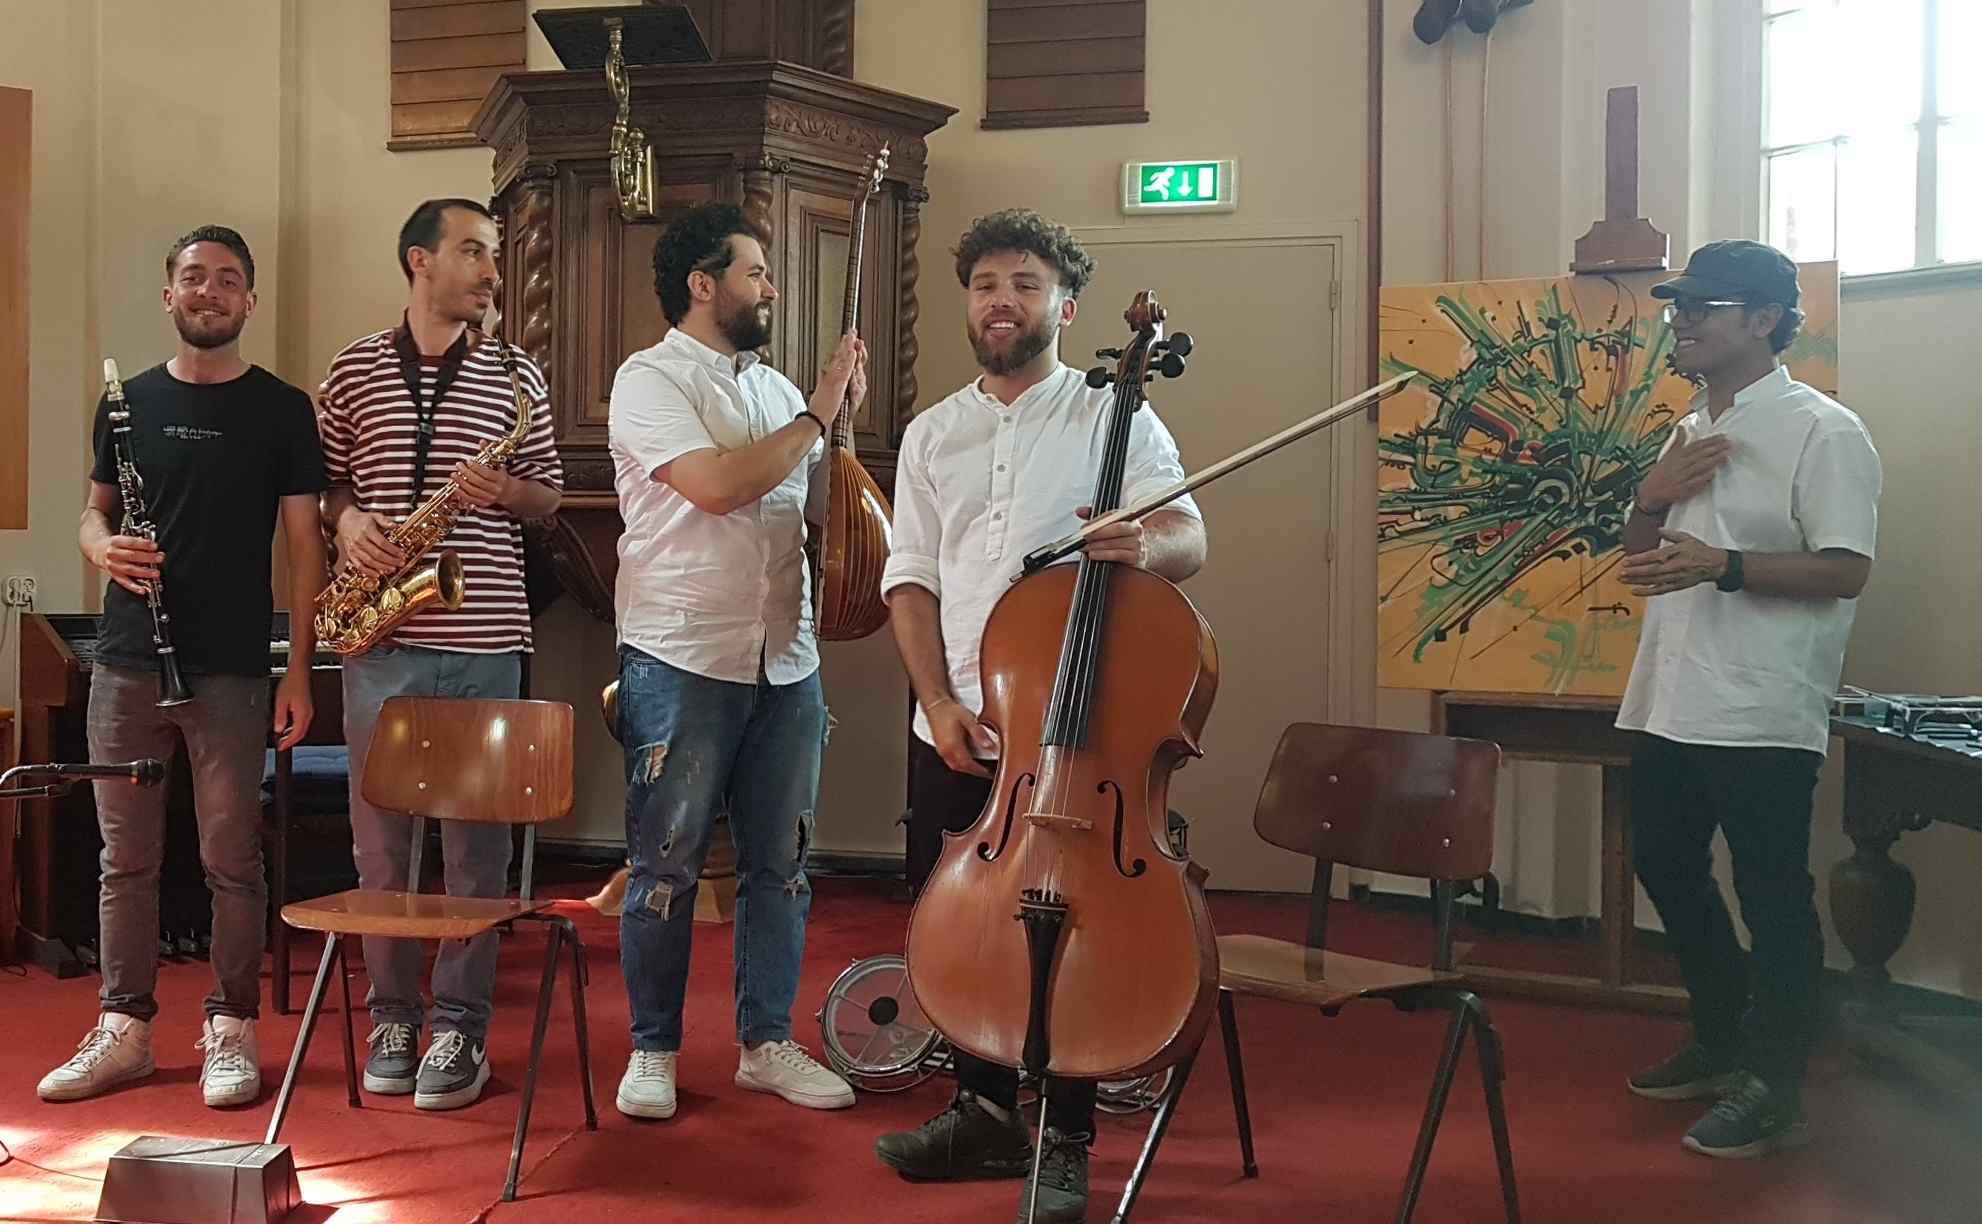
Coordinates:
column 1620, row 919
column 279, row 895
column 1871, row 894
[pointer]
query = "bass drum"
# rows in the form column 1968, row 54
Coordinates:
column 873, row 1032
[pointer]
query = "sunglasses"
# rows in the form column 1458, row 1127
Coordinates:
column 1694, row 312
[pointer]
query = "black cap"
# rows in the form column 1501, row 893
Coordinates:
column 1738, row 269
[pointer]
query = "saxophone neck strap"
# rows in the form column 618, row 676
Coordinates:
column 409, row 368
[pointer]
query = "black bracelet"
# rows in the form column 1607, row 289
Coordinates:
column 815, row 418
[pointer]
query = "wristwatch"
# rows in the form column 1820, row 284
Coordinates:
column 1731, row 580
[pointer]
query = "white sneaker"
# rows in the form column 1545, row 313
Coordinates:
column 783, row 1068
column 232, row 1073
column 647, row 1088
column 116, row 1051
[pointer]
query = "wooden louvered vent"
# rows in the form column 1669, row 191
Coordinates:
column 445, row 55
column 1064, row 63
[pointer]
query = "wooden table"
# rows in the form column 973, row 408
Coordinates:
column 1573, row 731
column 1893, row 785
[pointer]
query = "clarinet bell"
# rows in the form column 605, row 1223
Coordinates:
column 172, row 688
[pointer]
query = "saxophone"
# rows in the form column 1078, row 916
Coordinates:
column 358, row 611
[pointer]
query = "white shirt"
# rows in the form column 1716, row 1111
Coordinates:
column 981, row 484
column 713, row 594
column 1752, row 670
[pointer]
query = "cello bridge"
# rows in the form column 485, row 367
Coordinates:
column 1048, row 820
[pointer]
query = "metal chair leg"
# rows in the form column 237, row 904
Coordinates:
column 1228, row 1024
column 580, row 978
column 350, row 1037
column 553, row 949
column 310, row 1011
column 1493, row 1073
column 1157, row 1127
column 1441, row 1087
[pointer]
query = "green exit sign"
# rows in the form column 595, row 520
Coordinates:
column 1180, row 186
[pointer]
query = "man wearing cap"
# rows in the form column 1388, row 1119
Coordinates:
column 1751, row 538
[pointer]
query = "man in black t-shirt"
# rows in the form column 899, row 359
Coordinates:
column 221, row 446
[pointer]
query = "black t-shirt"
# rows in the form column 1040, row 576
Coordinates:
column 215, row 458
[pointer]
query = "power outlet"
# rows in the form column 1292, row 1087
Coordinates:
column 18, row 591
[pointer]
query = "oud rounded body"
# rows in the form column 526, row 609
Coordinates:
column 859, row 530
column 1135, row 972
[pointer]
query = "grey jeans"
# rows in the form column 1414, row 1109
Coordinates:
column 226, row 730
column 475, row 857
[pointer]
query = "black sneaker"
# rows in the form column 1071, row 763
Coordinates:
column 392, row 1066
column 1062, row 1182
column 1751, row 1120
column 962, row 1142
column 453, row 1072
column 1692, row 1073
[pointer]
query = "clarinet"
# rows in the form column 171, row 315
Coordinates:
column 172, row 689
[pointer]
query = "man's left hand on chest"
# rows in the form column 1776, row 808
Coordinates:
column 482, row 487
column 1682, row 562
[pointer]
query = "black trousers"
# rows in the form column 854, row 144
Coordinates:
column 1762, row 1008
column 941, row 799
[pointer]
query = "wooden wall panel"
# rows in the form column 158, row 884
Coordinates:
column 445, row 55
column 1064, row 63
column 16, row 144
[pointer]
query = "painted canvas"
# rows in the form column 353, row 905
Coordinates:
column 1505, row 473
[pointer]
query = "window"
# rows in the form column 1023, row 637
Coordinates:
column 1872, row 132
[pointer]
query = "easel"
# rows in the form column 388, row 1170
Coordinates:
column 1579, row 729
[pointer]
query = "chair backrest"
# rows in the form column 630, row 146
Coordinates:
column 471, row 759
column 1404, row 802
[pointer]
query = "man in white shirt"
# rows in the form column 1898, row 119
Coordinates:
column 719, row 700
column 1752, row 536
column 1003, row 466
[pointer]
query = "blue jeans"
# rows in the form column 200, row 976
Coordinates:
column 696, row 747
column 474, row 857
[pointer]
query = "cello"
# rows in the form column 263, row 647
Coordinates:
column 859, row 524
column 1060, row 933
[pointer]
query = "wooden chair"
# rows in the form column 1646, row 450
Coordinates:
column 1394, row 801
column 496, row 762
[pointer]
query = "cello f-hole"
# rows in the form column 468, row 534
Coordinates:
column 1132, row 870
column 984, row 850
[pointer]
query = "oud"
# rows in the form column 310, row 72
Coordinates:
column 859, row 521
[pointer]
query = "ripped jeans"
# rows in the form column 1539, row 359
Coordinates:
column 696, row 747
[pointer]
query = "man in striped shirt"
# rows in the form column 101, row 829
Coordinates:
column 403, row 411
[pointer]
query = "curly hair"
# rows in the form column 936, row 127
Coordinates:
column 1021, row 229
column 697, row 241
column 212, row 233
column 1786, row 328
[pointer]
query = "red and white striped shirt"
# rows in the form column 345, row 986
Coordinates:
column 369, row 423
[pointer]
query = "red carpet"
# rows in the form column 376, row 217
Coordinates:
column 1335, row 1106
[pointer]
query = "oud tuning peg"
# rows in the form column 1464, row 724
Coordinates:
column 1108, row 354
column 1172, row 365
column 1179, row 343
column 1100, row 376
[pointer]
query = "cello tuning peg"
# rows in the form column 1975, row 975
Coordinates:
column 1172, row 365
column 1100, row 376
column 1179, row 343
column 1108, row 354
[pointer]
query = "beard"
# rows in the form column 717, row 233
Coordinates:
column 746, row 326
column 1018, row 352
column 208, row 333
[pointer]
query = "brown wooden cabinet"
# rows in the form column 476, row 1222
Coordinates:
column 787, row 143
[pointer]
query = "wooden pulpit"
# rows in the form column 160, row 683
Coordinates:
column 786, row 142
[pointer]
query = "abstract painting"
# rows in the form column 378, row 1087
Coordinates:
column 1506, row 471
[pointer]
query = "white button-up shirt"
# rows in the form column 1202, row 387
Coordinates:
column 1745, row 669
column 981, row 484
column 713, row 594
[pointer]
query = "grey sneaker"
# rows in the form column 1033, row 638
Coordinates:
column 1751, row 1120
column 453, row 1072
column 1694, row 1072
column 1062, row 1181
column 963, row 1142
column 392, row 1067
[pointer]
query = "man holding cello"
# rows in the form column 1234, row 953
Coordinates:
column 1001, row 467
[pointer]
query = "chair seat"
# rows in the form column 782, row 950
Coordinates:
column 1277, row 969
column 362, row 911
